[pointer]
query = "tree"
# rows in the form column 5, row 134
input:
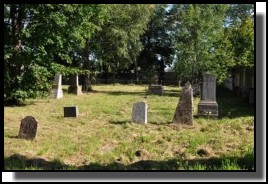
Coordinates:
column 199, row 45
column 157, row 43
column 240, row 32
column 35, row 35
column 117, row 45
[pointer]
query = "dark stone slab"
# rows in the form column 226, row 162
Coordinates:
column 71, row 111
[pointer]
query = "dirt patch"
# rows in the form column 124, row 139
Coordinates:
column 250, row 128
column 107, row 148
column 77, row 159
column 204, row 151
column 143, row 153
column 180, row 151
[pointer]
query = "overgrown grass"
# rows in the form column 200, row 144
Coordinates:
column 103, row 137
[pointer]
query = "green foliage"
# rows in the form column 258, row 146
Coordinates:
column 198, row 40
column 41, row 40
column 38, row 41
column 117, row 44
column 157, row 43
column 242, row 41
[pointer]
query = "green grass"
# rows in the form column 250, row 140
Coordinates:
column 103, row 137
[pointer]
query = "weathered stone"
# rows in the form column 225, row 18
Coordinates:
column 71, row 111
column 184, row 110
column 139, row 112
column 156, row 89
column 57, row 88
column 74, row 85
column 28, row 128
column 208, row 104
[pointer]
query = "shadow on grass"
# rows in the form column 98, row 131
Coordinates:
column 12, row 136
column 120, row 122
column 231, row 106
column 160, row 122
column 22, row 104
column 118, row 93
column 19, row 162
column 145, row 94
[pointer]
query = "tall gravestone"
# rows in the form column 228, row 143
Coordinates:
column 139, row 112
column 208, row 104
column 184, row 110
column 28, row 128
column 57, row 87
column 74, row 85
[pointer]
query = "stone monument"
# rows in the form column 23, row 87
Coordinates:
column 57, row 88
column 139, row 112
column 74, row 85
column 28, row 128
column 184, row 110
column 208, row 104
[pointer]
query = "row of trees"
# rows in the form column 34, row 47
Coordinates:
column 40, row 40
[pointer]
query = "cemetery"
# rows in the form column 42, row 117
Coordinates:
column 117, row 128
column 128, row 87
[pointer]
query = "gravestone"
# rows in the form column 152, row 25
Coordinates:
column 184, row 110
column 70, row 111
column 28, row 128
column 156, row 89
column 139, row 112
column 57, row 88
column 208, row 104
column 74, row 85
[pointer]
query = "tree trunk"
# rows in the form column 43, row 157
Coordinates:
column 87, row 85
column 16, row 16
column 136, row 71
column 161, row 72
column 193, row 67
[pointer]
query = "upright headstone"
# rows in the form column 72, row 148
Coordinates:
column 74, row 85
column 184, row 110
column 57, row 88
column 70, row 111
column 28, row 128
column 208, row 104
column 139, row 112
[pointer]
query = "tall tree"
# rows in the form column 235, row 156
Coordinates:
column 240, row 33
column 157, row 42
column 198, row 41
column 117, row 45
column 35, row 35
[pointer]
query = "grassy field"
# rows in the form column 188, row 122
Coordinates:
column 103, row 137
